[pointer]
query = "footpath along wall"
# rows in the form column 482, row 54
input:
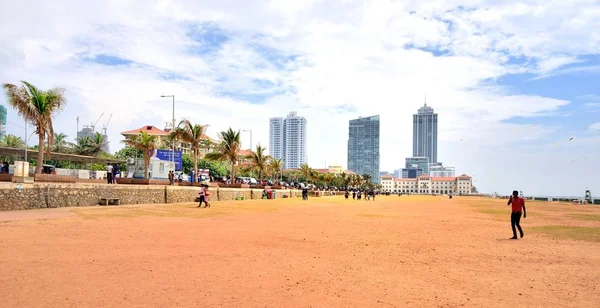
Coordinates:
column 37, row 196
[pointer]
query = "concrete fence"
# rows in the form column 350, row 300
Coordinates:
column 53, row 195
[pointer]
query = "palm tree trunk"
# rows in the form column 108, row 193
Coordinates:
column 195, row 164
column 40, row 158
column 232, row 173
column 146, row 165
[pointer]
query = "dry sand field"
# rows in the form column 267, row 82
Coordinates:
column 409, row 251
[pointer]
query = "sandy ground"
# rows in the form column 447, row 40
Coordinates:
column 328, row 252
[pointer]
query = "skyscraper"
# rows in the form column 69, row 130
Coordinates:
column 363, row 146
column 425, row 133
column 287, row 140
column 2, row 121
column 276, row 138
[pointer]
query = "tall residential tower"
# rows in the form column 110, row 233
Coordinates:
column 287, row 140
column 363, row 147
column 425, row 133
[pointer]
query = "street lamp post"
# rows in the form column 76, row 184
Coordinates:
column 249, row 130
column 172, row 129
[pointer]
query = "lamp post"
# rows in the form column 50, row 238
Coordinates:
column 172, row 129
column 249, row 130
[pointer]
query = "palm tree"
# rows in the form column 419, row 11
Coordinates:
column 276, row 166
column 306, row 171
column 367, row 178
column 227, row 150
column 192, row 134
column 12, row 141
column 260, row 161
column 38, row 107
column 60, row 143
column 147, row 144
column 97, row 144
column 83, row 146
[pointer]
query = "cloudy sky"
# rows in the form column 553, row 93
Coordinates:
column 512, row 81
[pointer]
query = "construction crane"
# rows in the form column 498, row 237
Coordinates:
column 93, row 126
column 106, row 125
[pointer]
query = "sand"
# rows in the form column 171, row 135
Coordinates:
column 325, row 252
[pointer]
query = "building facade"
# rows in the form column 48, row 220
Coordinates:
column 411, row 173
column 162, row 140
column 276, row 138
column 363, row 147
column 425, row 184
column 425, row 133
column 418, row 163
column 439, row 170
column 294, row 141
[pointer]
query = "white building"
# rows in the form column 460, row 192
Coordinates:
column 425, row 184
column 276, row 138
column 438, row 170
column 287, row 140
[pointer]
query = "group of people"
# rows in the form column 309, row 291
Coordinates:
column 357, row 195
column 5, row 168
column 173, row 177
column 111, row 173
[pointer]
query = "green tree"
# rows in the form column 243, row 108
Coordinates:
column 228, row 149
column 259, row 161
column 60, row 143
column 276, row 167
column 193, row 134
column 306, row 171
column 12, row 141
column 145, row 143
column 83, row 146
column 37, row 107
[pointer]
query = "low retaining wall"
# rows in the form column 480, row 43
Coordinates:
column 36, row 196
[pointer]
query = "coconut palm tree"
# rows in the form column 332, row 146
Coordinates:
column 97, row 144
column 12, row 141
column 228, row 149
column 367, row 178
column 260, row 161
column 276, row 166
column 83, row 145
column 192, row 134
column 306, row 171
column 147, row 144
column 38, row 107
column 60, row 143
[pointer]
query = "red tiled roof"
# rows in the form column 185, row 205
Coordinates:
column 440, row 179
column 464, row 176
column 387, row 176
column 322, row 170
column 401, row 179
column 245, row 152
column 149, row 129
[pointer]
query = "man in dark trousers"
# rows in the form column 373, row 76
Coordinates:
column 518, row 208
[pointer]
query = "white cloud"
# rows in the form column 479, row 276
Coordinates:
column 351, row 58
column 595, row 126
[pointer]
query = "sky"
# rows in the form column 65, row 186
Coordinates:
column 512, row 81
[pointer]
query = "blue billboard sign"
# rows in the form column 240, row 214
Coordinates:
column 167, row 154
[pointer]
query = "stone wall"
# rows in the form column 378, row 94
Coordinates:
column 35, row 196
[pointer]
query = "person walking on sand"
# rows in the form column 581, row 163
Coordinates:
column 354, row 195
column 206, row 195
column 518, row 208
column 171, row 177
column 202, row 194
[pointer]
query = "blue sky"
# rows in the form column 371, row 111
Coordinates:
column 511, row 81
